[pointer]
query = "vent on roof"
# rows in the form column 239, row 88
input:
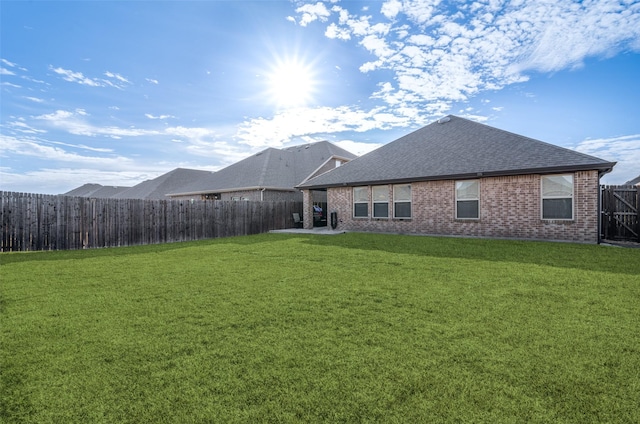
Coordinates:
column 444, row 120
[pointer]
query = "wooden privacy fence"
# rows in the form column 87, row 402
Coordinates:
column 49, row 222
column 621, row 213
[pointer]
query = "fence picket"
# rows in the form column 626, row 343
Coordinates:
column 57, row 222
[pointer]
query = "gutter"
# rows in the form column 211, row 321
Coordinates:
column 230, row 190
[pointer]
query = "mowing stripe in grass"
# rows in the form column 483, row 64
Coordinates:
column 302, row 328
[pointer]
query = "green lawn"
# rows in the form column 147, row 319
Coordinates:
column 301, row 328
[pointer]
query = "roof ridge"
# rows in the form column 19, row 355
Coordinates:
column 265, row 165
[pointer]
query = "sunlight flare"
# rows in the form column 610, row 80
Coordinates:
column 291, row 83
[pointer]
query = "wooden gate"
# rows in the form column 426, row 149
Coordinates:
column 621, row 213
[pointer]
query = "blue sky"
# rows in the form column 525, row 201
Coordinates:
column 117, row 92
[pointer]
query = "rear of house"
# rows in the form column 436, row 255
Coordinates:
column 461, row 178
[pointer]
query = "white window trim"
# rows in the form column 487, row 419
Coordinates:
column 543, row 198
column 353, row 209
column 455, row 184
column 402, row 201
column 374, row 202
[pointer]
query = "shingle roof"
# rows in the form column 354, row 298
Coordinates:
column 95, row 190
column 157, row 188
column 634, row 181
column 279, row 169
column 455, row 147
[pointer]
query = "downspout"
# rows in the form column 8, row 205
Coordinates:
column 262, row 194
column 600, row 174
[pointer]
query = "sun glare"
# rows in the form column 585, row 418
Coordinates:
column 291, row 84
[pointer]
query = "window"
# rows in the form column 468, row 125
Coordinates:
column 380, row 195
column 402, row 201
column 468, row 199
column 557, row 197
column 361, row 202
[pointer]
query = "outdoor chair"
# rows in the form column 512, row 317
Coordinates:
column 297, row 220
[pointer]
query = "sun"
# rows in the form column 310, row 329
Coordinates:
column 291, row 83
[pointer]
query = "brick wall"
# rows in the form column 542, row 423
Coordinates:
column 510, row 207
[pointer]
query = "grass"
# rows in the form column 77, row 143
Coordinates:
column 301, row 328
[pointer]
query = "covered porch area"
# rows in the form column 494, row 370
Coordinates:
column 315, row 211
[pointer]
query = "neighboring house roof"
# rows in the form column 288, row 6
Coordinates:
column 635, row 181
column 274, row 169
column 95, row 190
column 158, row 188
column 454, row 147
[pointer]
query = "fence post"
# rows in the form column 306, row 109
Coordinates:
column 638, row 212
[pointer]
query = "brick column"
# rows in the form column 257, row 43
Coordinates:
column 307, row 209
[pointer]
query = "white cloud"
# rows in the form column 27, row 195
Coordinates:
column 566, row 33
column 77, row 77
column 456, row 51
column 296, row 123
column 420, row 12
column 197, row 140
column 115, row 80
column 313, row 12
column 391, row 8
column 150, row 116
column 11, row 65
column 39, row 148
column 152, row 81
column 74, row 123
column 8, row 84
column 190, row 132
column 334, row 31
column 34, row 99
column 117, row 77
column 23, row 128
column 5, row 71
column 625, row 150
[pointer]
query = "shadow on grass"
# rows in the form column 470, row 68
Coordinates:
column 564, row 255
column 556, row 254
column 65, row 255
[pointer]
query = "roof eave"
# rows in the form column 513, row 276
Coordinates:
column 230, row 190
column 603, row 168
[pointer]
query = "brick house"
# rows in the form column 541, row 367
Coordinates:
column 269, row 175
column 457, row 177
